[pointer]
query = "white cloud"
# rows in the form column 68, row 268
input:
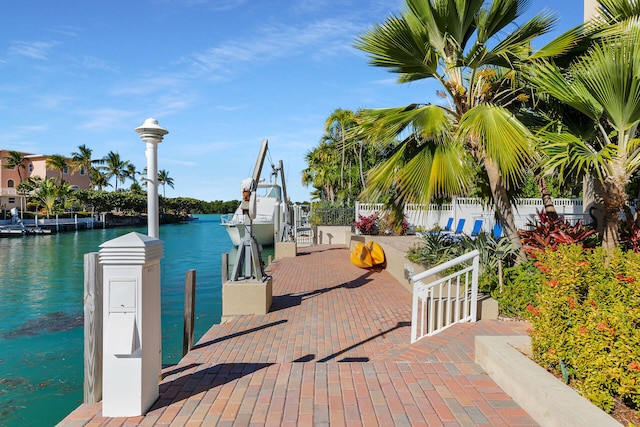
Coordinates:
column 34, row 49
column 65, row 30
column 323, row 38
column 108, row 118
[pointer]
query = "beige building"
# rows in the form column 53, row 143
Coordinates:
column 35, row 165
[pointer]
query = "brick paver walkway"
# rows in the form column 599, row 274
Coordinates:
column 333, row 351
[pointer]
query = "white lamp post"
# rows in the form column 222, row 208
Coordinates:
column 152, row 133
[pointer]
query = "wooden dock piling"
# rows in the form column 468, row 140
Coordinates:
column 189, row 309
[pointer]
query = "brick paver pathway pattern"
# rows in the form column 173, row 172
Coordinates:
column 333, row 351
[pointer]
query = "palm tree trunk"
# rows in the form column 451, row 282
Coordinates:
column 547, row 201
column 503, row 207
column 364, row 184
column 614, row 197
column 342, row 168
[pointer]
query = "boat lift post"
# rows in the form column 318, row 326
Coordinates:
column 249, row 290
column 248, row 260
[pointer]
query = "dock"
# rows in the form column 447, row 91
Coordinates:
column 333, row 350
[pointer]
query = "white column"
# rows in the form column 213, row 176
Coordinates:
column 152, row 189
column 152, row 133
column 132, row 351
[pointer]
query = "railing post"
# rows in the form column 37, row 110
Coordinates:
column 474, row 288
column 189, row 308
column 414, row 313
column 92, row 328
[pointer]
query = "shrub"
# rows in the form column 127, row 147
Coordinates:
column 521, row 287
column 550, row 231
column 630, row 235
column 437, row 248
column 367, row 224
column 586, row 321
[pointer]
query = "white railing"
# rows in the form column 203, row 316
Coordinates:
column 447, row 300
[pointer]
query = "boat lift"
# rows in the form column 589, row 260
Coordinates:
column 248, row 265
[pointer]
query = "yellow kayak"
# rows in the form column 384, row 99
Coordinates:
column 377, row 254
column 367, row 256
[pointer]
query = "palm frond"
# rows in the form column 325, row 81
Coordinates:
column 395, row 45
column 501, row 137
column 610, row 72
column 572, row 156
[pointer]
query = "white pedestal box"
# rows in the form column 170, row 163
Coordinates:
column 132, row 347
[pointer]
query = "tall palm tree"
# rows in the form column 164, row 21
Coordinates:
column 99, row 179
column 164, row 179
column 114, row 167
column 57, row 162
column 81, row 160
column 458, row 45
column 132, row 173
column 336, row 126
column 15, row 159
column 603, row 87
column 322, row 170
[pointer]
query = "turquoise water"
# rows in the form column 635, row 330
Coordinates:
column 41, row 293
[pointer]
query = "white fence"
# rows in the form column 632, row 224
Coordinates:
column 445, row 301
column 471, row 209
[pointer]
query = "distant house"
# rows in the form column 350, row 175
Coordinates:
column 35, row 165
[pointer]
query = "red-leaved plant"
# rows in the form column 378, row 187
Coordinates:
column 367, row 224
column 549, row 231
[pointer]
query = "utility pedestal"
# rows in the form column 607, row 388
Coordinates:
column 132, row 334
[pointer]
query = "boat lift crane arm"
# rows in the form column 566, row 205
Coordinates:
column 248, row 260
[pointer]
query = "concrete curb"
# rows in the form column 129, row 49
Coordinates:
column 545, row 398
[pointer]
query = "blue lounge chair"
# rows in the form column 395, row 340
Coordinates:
column 497, row 230
column 447, row 228
column 460, row 226
column 455, row 236
column 477, row 228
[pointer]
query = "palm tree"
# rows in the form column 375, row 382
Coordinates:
column 132, row 173
column 46, row 194
column 457, row 45
column 81, row 161
column 601, row 86
column 322, row 170
column 114, row 167
column 15, row 160
column 336, row 127
column 99, row 179
column 57, row 162
column 164, row 179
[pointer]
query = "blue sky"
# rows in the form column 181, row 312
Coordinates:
column 220, row 75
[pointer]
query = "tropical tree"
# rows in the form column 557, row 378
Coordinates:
column 336, row 127
column 57, row 162
column 457, row 44
column 46, row 195
column 15, row 159
column 114, row 167
column 81, row 160
column 164, row 179
column 132, row 173
column 322, row 171
column 98, row 179
column 603, row 87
